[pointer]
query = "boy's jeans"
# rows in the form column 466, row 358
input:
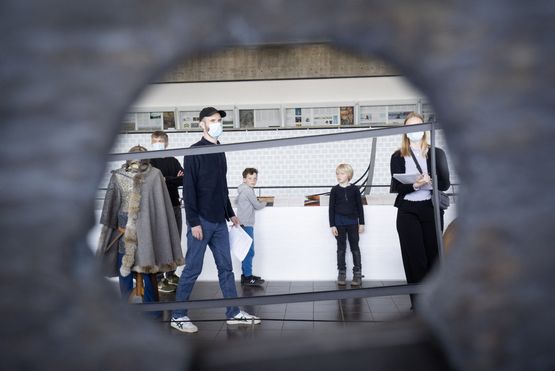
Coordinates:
column 216, row 236
column 246, row 265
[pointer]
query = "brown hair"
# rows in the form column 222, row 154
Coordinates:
column 345, row 168
column 405, row 143
column 160, row 134
column 249, row 171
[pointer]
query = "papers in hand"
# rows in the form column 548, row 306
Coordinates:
column 407, row 178
column 239, row 241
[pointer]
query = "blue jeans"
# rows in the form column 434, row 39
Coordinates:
column 216, row 236
column 126, row 286
column 246, row 265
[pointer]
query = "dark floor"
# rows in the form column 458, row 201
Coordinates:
column 288, row 319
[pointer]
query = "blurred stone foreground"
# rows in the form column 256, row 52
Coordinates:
column 70, row 69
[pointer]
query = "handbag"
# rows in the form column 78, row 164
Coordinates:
column 443, row 198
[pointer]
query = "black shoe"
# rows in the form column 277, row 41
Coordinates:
column 342, row 278
column 252, row 281
column 258, row 278
column 165, row 287
column 357, row 279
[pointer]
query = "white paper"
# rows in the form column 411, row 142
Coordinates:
column 239, row 241
column 407, row 178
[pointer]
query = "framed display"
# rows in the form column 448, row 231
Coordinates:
column 246, row 118
column 188, row 120
column 347, row 115
column 149, row 121
column 169, row 120
column 129, row 122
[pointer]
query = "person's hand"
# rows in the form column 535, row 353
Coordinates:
column 361, row 228
column 235, row 221
column 334, row 231
column 179, row 173
column 422, row 181
column 197, row 232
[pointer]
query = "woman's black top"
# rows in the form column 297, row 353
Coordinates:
column 397, row 166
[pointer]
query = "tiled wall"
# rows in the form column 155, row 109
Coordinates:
column 289, row 166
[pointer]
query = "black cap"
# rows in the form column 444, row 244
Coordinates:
column 209, row 111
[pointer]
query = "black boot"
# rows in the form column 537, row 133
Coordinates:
column 357, row 278
column 342, row 278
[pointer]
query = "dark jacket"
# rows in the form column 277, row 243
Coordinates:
column 346, row 201
column 205, row 187
column 397, row 166
column 169, row 166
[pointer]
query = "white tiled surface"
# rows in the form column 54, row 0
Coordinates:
column 289, row 166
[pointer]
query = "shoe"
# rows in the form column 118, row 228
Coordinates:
column 357, row 279
column 252, row 281
column 173, row 279
column 258, row 278
column 342, row 278
column 164, row 286
column 243, row 318
column 183, row 324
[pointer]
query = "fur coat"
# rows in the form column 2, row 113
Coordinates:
column 151, row 238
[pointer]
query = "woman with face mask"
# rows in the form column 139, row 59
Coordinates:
column 415, row 214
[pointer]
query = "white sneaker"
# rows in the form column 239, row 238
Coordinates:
column 183, row 324
column 243, row 318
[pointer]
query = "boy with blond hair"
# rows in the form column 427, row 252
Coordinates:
column 346, row 217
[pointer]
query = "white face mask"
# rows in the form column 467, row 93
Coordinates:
column 215, row 130
column 416, row 136
column 158, row 146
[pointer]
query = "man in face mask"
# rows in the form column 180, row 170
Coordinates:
column 173, row 175
column 207, row 207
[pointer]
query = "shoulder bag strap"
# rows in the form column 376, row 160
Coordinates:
column 415, row 161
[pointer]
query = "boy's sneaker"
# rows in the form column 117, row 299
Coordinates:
column 342, row 278
column 243, row 318
column 252, row 281
column 173, row 279
column 164, row 286
column 183, row 324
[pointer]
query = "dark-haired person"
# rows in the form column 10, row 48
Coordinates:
column 415, row 214
column 207, row 207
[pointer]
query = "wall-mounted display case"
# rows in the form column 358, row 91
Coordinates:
column 302, row 115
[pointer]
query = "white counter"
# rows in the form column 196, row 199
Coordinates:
column 295, row 243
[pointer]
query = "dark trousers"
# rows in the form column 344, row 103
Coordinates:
column 349, row 232
column 417, row 236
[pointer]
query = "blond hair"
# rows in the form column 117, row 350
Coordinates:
column 345, row 168
column 405, row 143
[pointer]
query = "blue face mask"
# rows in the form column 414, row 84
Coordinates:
column 415, row 136
column 215, row 130
column 158, row 146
